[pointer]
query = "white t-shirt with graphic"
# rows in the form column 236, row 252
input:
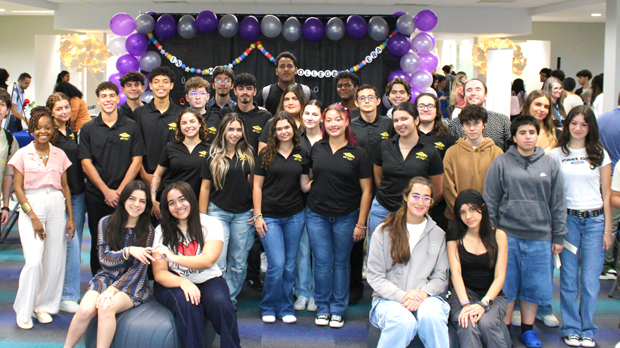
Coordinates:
column 211, row 230
column 581, row 183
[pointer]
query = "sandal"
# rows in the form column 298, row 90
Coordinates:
column 530, row 340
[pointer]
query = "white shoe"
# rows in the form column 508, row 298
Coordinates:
column 25, row 326
column 301, row 303
column 587, row 342
column 336, row 321
column 572, row 341
column 515, row 320
column 617, row 345
column 42, row 317
column 263, row 262
column 322, row 320
column 549, row 320
column 312, row 306
column 69, row 306
column 608, row 276
column 289, row 319
column 269, row 319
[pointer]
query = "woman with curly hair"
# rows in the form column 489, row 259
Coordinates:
column 182, row 158
column 279, row 179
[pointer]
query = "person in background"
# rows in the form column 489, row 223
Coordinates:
column 554, row 88
column 8, row 148
column 571, row 99
column 4, row 76
column 397, row 91
column 457, row 94
column 17, row 101
column 518, row 97
column 443, row 100
column 558, row 74
column 597, row 95
column 544, row 74
column 43, row 193
column 132, row 86
column 63, row 76
column 197, row 95
column 585, row 91
column 408, row 271
column 447, row 69
column 223, row 83
column 79, row 110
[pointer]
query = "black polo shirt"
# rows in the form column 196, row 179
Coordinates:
column 336, row 189
column 282, row 195
column 111, row 149
column 255, row 121
column 183, row 165
column 125, row 110
column 370, row 135
column 236, row 195
column 422, row 160
column 212, row 119
column 441, row 143
column 157, row 130
column 306, row 145
column 273, row 98
column 75, row 175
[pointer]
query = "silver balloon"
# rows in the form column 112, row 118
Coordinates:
column 291, row 30
column 149, row 61
column 144, row 24
column 147, row 96
column 410, row 62
column 228, row 26
column 335, row 30
column 117, row 46
column 405, row 24
column 378, row 28
column 187, row 27
column 271, row 26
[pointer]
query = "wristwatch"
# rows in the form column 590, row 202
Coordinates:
column 486, row 308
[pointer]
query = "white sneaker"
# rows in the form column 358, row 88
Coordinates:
column 69, row 306
column 617, row 345
column 301, row 303
column 289, row 319
column 263, row 262
column 336, row 321
column 322, row 320
column 549, row 320
column 42, row 317
column 25, row 326
column 608, row 276
column 572, row 341
column 269, row 319
column 587, row 342
column 515, row 320
column 312, row 306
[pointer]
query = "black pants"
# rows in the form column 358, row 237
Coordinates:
column 96, row 209
column 254, row 258
column 357, row 265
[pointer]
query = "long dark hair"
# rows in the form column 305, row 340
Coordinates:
column 61, row 75
column 486, row 231
column 594, row 148
column 396, row 224
column 171, row 233
column 344, row 112
column 438, row 126
column 518, row 86
column 113, row 234
column 70, row 90
column 274, row 143
column 301, row 97
column 597, row 87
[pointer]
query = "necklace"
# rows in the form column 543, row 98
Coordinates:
column 44, row 157
column 407, row 147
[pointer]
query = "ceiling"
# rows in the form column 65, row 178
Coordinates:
column 541, row 10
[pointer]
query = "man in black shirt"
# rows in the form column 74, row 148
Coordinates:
column 133, row 86
column 286, row 70
column 347, row 84
column 223, row 78
column 111, row 151
column 157, row 120
column 197, row 95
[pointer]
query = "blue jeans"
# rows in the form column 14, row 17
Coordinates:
column 377, row 214
column 587, row 235
column 238, row 239
column 281, row 243
column 331, row 239
column 304, row 284
column 71, row 288
column 528, row 272
column 399, row 326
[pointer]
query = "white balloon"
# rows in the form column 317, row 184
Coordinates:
column 117, row 46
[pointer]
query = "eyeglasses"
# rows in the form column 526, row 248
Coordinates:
column 370, row 98
column 201, row 94
column 426, row 200
column 222, row 81
column 430, row 107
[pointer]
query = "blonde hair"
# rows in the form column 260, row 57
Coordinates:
column 457, row 83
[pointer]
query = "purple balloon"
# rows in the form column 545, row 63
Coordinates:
column 421, row 80
column 127, row 63
column 313, row 29
column 398, row 45
column 429, row 62
column 249, row 28
column 414, row 94
column 136, row 44
column 116, row 79
column 399, row 13
column 122, row 24
column 426, row 20
column 166, row 27
column 398, row 73
column 206, row 22
column 122, row 97
column 356, row 27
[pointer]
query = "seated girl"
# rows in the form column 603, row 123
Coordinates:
column 124, row 243
column 477, row 253
column 408, row 270
column 187, row 278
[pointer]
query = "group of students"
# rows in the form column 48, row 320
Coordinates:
column 312, row 181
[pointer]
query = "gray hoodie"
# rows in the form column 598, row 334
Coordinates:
column 427, row 269
column 525, row 196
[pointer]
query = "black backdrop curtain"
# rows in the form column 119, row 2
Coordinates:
column 210, row 50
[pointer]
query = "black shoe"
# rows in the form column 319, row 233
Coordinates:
column 355, row 297
column 256, row 284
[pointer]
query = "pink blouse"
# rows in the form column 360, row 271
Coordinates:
column 36, row 174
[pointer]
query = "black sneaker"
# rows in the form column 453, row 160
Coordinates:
column 256, row 284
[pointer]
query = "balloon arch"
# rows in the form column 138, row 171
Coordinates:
column 411, row 40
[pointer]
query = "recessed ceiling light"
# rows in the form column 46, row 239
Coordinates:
column 1, row 10
column 596, row 15
column 33, row 11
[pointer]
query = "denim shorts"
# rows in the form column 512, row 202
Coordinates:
column 528, row 273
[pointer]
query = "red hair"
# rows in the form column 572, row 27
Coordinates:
column 348, row 133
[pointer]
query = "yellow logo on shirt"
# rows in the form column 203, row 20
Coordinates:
column 297, row 157
column 257, row 129
column 72, row 136
column 439, row 145
column 244, row 157
column 212, row 130
column 202, row 154
column 349, row 156
column 3, row 163
column 385, row 135
column 172, row 126
column 421, row 155
column 124, row 136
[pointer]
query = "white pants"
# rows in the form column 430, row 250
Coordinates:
column 41, row 279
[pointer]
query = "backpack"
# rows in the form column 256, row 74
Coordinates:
column 267, row 88
column 9, row 140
